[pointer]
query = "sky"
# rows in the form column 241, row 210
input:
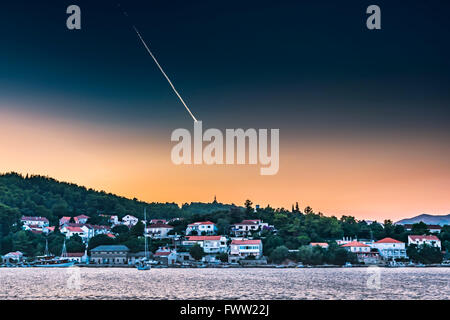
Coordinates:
column 363, row 115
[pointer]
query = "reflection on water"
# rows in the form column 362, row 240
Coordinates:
column 114, row 283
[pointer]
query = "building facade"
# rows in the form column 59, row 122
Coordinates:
column 110, row 255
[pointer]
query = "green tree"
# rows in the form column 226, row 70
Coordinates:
column 196, row 252
column 279, row 254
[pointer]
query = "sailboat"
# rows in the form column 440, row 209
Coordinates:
column 144, row 263
column 49, row 261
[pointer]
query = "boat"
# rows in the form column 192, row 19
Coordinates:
column 49, row 261
column 347, row 265
column 144, row 264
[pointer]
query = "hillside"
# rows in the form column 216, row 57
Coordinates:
column 428, row 219
column 43, row 196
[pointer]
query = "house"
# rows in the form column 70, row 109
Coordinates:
column 433, row 228
column 81, row 219
column 323, row 245
column 165, row 256
column 130, row 220
column 63, row 221
column 364, row 252
column 158, row 230
column 48, row 230
column 33, row 228
column 114, row 220
column 390, row 249
column 200, row 228
column 13, row 257
column 346, row 240
column 240, row 249
column 110, row 254
column 421, row 240
column 69, row 232
column 35, row 221
column 78, row 257
column 247, row 227
column 210, row 244
column 158, row 221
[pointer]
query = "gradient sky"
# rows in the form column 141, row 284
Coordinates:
column 363, row 115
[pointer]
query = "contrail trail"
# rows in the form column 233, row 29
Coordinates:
column 161, row 69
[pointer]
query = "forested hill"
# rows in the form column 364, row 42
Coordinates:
column 36, row 195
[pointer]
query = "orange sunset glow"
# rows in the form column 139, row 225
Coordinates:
column 368, row 179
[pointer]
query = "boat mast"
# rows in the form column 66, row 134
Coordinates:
column 46, row 253
column 64, row 250
column 145, row 233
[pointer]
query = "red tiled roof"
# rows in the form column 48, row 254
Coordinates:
column 321, row 244
column 431, row 238
column 200, row 223
column 246, row 242
column 163, row 253
column 388, row 240
column 203, row 238
column 110, row 235
column 75, row 254
column 82, row 216
column 75, row 229
column 355, row 244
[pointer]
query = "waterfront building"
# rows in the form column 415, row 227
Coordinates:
column 421, row 240
column 240, row 249
column 390, row 249
column 75, row 256
column 364, row 253
column 110, row 254
column 158, row 230
column 165, row 256
column 13, row 257
column 200, row 228
column 210, row 244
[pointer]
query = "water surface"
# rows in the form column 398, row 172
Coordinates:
column 309, row 283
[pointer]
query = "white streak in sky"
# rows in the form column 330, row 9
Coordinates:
column 162, row 71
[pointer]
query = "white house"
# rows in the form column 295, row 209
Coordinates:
column 158, row 221
column 158, row 230
column 63, row 221
column 207, row 227
column 165, row 256
column 82, row 219
column 15, row 257
column 245, row 248
column 421, row 240
column 71, row 231
column 210, row 244
column 390, row 248
column 130, row 220
column 247, row 227
column 364, row 252
column 35, row 221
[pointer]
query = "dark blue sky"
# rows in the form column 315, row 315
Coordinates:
column 302, row 66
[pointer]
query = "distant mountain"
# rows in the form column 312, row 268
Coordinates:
column 428, row 219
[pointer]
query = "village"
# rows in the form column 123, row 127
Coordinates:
column 201, row 245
